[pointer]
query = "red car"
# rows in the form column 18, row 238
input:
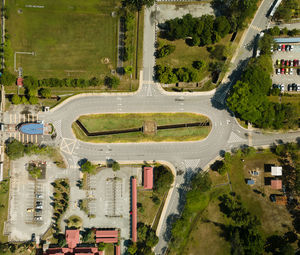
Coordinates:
column 282, row 62
column 283, row 47
column 282, row 70
column 296, row 62
column 287, row 63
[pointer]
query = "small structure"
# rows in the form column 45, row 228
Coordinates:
column 148, row 177
column 287, row 40
column 276, row 170
column 254, row 173
column 250, row 182
column 276, row 184
column 149, row 127
column 133, row 210
column 20, row 82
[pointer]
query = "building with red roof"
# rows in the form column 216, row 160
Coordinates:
column 276, row 184
column 73, row 239
column 148, row 177
column 20, row 81
column 133, row 210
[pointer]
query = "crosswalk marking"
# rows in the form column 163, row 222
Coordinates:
column 234, row 138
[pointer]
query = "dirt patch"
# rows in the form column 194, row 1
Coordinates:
column 149, row 127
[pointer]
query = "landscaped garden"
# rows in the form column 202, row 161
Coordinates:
column 111, row 122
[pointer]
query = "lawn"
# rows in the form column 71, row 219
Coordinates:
column 294, row 99
column 70, row 39
column 103, row 122
column 150, row 209
column 274, row 218
column 185, row 55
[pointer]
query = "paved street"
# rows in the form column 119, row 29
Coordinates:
column 226, row 134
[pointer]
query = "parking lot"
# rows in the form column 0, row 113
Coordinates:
column 109, row 200
column 30, row 210
column 286, row 78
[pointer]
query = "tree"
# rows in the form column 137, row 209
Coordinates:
column 128, row 69
column 223, row 169
column 24, row 100
column 45, row 92
column 165, row 51
column 16, row 99
column 132, row 249
column 87, row 167
column 101, row 246
column 265, row 44
column 163, row 178
column 199, row 64
column 14, row 149
column 137, row 5
column 7, row 78
column 222, row 26
column 94, row 81
column 34, row 171
column 112, row 81
column 115, row 166
column 33, row 100
column 30, row 82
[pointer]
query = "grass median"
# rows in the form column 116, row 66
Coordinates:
column 108, row 122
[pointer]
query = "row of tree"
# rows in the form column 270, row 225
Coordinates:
column 199, row 31
column 287, row 9
column 168, row 75
column 248, row 98
column 276, row 31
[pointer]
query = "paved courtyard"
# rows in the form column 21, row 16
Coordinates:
column 169, row 11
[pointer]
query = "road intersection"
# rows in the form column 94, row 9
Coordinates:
column 226, row 133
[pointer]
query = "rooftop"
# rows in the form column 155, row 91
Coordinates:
column 276, row 170
column 276, row 184
column 148, row 177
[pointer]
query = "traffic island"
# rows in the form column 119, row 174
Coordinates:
column 130, row 127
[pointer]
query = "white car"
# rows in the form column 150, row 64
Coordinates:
column 291, row 70
column 282, row 87
column 298, row 87
column 38, row 218
column 277, row 71
column 39, row 207
column 291, row 47
column 279, row 47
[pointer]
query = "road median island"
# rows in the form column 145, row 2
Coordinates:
column 129, row 127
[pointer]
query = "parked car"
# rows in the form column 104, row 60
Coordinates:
column 278, row 62
column 38, row 203
column 38, row 196
column 298, row 87
column 294, row 87
column 39, row 207
column 33, row 237
column 38, row 218
column 29, row 209
column 291, row 70
column 282, row 62
column 282, row 87
column 287, row 63
column 295, row 62
column 291, row 47
column 286, row 70
column 283, row 47
column 279, row 47
column 290, row 63
column 282, row 70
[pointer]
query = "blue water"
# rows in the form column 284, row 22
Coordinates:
column 32, row 129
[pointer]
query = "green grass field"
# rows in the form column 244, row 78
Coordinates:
column 105, row 122
column 294, row 99
column 69, row 38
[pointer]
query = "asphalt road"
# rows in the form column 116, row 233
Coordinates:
column 226, row 134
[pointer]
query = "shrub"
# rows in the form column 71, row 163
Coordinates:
column 7, row 78
column 33, row 100
column 112, row 81
column 45, row 92
column 16, row 99
column 115, row 166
